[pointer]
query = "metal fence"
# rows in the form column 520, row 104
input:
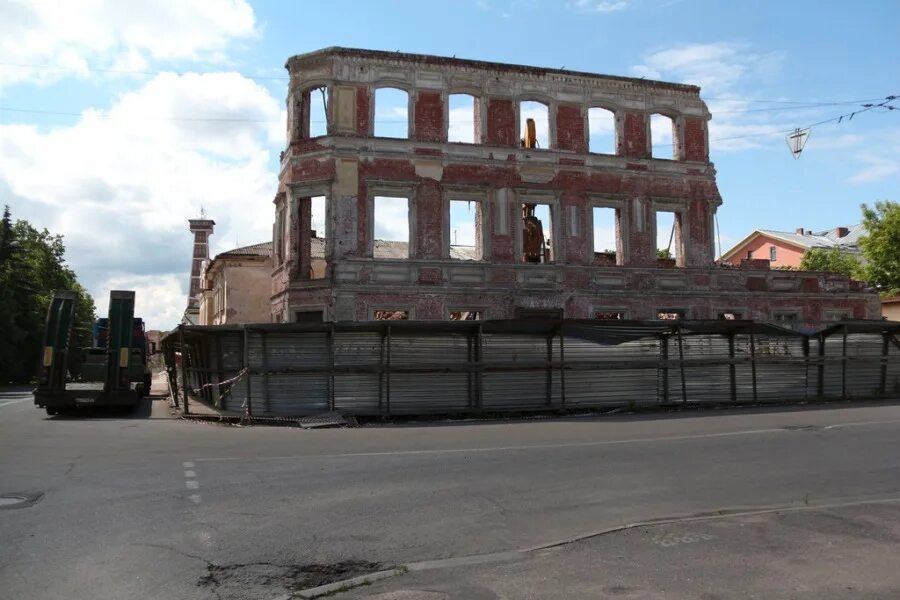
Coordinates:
column 409, row 367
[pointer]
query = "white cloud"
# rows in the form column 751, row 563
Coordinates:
column 724, row 70
column 877, row 168
column 121, row 184
column 602, row 6
column 158, row 299
column 391, row 219
column 69, row 37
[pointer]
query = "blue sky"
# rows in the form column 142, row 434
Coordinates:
column 170, row 104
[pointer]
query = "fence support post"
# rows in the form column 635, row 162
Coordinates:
column 479, row 394
column 331, row 366
column 732, row 368
column 265, row 368
column 184, row 381
column 820, row 384
column 246, row 365
column 562, row 362
column 844, row 364
column 681, row 365
column 664, row 349
column 806, row 367
column 387, row 373
column 753, row 359
column 549, row 399
column 885, row 350
column 381, row 370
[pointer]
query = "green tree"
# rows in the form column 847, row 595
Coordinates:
column 32, row 266
column 881, row 247
column 829, row 259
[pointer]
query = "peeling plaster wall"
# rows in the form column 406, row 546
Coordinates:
column 350, row 167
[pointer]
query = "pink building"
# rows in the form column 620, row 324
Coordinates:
column 783, row 249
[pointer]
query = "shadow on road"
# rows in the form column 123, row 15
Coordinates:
column 150, row 407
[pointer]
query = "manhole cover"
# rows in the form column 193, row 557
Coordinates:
column 19, row 500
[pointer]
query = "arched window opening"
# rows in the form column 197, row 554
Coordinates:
column 391, row 113
column 662, row 136
column 601, row 131
column 535, row 134
column 463, row 119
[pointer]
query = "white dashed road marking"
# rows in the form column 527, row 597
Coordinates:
column 190, row 481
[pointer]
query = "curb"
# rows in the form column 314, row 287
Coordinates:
column 342, row 586
column 441, row 563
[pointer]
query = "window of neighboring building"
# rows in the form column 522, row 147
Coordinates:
column 391, row 113
column 537, row 231
column 609, row 315
column 729, row 316
column 601, row 131
column 309, row 316
column 604, row 220
column 390, row 315
column 773, row 253
column 786, row 316
column 539, row 113
column 465, row 230
column 670, row 314
column 391, row 227
column 838, row 315
column 463, row 122
column 465, row 315
column 749, row 254
column 662, row 136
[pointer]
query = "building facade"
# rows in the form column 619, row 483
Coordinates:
column 533, row 209
column 786, row 250
column 234, row 286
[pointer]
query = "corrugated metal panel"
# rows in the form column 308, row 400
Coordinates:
column 417, row 368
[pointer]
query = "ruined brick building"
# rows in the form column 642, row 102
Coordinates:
column 566, row 183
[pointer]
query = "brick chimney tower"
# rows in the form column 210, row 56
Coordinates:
column 202, row 228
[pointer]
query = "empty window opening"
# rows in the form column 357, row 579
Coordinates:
column 786, row 317
column 318, row 111
column 605, row 240
column 390, row 315
column 391, row 227
column 838, row 315
column 668, row 236
column 601, row 131
column 307, row 113
column 670, row 314
column 318, row 232
column 463, row 119
column 773, row 253
column 308, row 316
column 662, row 136
column 537, row 228
column 465, row 315
column 391, row 113
column 729, row 316
column 465, row 230
column 609, row 315
column 534, row 124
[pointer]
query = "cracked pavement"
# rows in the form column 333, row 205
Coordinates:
column 264, row 511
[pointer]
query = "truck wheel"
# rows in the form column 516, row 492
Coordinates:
column 52, row 412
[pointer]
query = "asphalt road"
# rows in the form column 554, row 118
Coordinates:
column 154, row 507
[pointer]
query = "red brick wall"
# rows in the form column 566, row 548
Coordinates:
column 694, row 140
column 501, row 123
column 570, row 133
column 634, row 134
column 428, row 121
